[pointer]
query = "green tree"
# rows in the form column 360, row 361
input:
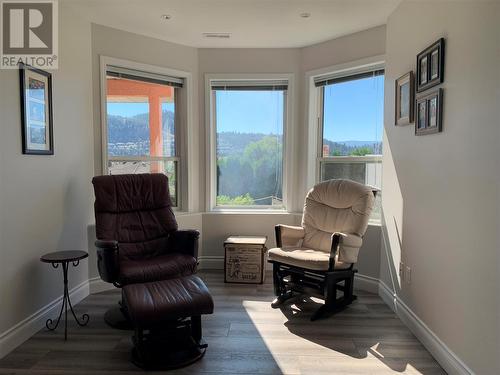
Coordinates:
column 265, row 158
column 255, row 173
column 240, row 200
column 361, row 151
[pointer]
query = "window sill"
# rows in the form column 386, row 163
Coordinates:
column 375, row 223
column 247, row 211
column 185, row 213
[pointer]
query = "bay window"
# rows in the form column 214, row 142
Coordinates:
column 248, row 120
column 141, row 132
column 351, row 113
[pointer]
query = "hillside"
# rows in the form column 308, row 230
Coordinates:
column 353, row 147
column 231, row 143
column 130, row 135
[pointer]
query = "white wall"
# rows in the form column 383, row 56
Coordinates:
column 441, row 191
column 357, row 46
column 46, row 201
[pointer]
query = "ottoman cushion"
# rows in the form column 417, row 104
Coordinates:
column 151, row 304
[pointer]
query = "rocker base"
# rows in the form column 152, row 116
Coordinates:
column 168, row 350
column 157, row 360
column 325, row 311
column 115, row 318
column 290, row 281
column 281, row 299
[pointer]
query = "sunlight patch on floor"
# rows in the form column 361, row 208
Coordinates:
column 278, row 338
column 299, row 355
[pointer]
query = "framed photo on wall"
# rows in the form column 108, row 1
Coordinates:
column 429, row 113
column 36, row 111
column 405, row 99
column 430, row 66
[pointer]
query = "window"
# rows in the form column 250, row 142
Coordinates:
column 351, row 117
column 249, row 120
column 141, row 124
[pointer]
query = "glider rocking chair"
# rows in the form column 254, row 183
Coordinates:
column 318, row 257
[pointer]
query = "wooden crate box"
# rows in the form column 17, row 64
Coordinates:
column 244, row 259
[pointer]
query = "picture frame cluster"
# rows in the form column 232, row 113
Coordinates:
column 426, row 110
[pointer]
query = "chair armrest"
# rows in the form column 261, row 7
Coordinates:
column 107, row 260
column 287, row 235
column 184, row 242
column 347, row 244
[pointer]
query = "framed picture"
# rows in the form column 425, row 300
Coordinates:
column 36, row 111
column 430, row 66
column 405, row 98
column 429, row 113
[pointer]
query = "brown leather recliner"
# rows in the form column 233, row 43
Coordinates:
column 137, row 236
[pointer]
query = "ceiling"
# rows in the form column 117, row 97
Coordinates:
column 251, row 23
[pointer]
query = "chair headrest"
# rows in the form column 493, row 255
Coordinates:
column 339, row 193
column 131, row 192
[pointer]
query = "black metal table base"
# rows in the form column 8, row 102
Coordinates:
column 50, row 324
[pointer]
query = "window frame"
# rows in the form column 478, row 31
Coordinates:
column 183, row 127
column 316, row 112
column 211, row 152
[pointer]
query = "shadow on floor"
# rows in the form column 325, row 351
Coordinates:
column 376, row 334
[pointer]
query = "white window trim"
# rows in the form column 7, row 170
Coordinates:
column 314, row 121
column 185, row 126
column 211, row 141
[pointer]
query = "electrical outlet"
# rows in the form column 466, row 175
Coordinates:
column 408, row 275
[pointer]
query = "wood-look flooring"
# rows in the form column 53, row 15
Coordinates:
column 245, row 336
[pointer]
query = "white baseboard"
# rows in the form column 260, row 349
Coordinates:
column 211, row 262
column 19, row 333
column 97, row 285
column 446, row 358
column 387, row 295
column 366, row 283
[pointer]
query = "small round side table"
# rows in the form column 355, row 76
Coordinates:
column 64, row 258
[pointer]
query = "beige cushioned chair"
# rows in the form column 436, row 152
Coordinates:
column 318, row 256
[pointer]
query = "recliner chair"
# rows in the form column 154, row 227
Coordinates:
column 318, row 257
column 137, row 236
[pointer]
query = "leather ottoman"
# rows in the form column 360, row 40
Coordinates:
column 166, row 316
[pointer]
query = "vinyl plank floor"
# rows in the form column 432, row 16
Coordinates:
column 245, row 336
